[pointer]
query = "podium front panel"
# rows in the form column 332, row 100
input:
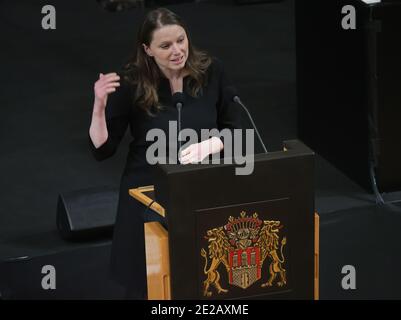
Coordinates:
column 239, row 237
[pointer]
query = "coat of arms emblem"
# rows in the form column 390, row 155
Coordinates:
column 242, row 246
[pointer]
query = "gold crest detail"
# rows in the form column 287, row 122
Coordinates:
column 242, row 246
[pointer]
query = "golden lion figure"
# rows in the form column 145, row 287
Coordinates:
column 269, row 244
column 218, row 249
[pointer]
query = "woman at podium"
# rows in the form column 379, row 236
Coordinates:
column 140, row 98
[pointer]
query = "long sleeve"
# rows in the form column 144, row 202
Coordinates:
column 118, row 110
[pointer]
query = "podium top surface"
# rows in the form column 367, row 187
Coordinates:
column 291, row 148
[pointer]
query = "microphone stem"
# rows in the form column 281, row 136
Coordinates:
column 179, row 127
column 253, row 124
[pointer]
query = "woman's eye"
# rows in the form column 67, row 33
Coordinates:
column 165, row 46
column 180, row 40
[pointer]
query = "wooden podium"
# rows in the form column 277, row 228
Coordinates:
column 156, row 247
column 158, row 255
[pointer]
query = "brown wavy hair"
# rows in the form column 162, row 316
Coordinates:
column 144, row 74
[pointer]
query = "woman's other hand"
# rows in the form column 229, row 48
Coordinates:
column 106, row 84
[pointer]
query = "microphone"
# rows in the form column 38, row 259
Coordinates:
column 232, row 93
column 178, row 101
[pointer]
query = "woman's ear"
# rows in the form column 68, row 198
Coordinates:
column 147, row 50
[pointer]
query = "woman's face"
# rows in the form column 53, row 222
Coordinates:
column 169, row 47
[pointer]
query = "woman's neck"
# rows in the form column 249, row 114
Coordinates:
column 174, row 74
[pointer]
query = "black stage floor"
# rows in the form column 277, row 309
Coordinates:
column 46, row 105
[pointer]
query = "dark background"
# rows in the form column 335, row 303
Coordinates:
column 46, row 101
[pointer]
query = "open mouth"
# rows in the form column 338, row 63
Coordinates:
column 178, row 60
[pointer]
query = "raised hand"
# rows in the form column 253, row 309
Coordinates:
column 106, row 84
